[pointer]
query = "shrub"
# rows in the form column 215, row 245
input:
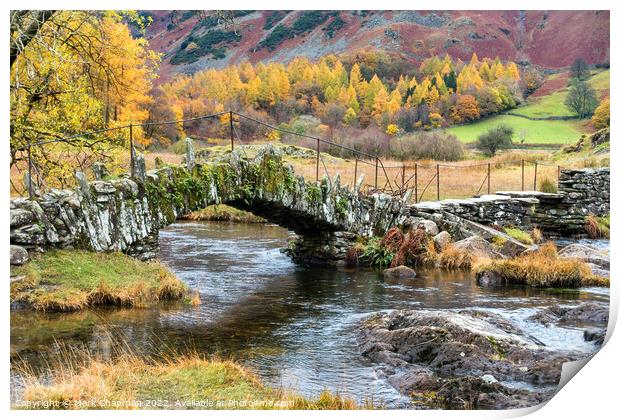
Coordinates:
column 377, row 255
column 548, row 186
column 495, row 139
column 417, row 248
column 437, row 145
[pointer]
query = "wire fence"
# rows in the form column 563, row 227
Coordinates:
column 424, row 181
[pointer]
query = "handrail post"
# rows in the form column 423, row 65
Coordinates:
column 522, row 174
column 318, row 157
column 355, row 174
column 415, row 174
column 402, row 193
column 232, row 135
column 131, row 150
column 376, row 172
column 437, row 175
column 488, row 178
column 535, row 174
column 29, row 173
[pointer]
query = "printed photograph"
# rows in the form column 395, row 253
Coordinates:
column 306, row 209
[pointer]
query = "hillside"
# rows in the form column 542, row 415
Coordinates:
column 549, row 39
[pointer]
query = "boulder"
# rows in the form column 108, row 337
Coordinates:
column 598, row 257
column 490, row 279
column 441, row 240
column 400, row 272
column 429, row 227
column 19, row 255
column 21, row 217
column 597, row 335
column 477, row 247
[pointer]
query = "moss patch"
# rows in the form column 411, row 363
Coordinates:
column 519, row 235
column 72, row 280
column 224, row 213
column 170, row 384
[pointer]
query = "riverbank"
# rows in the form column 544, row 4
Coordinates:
column 187, row 382
column 69, row 280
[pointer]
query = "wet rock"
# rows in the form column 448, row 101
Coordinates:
column 455, row 358
column 595, row 334
column 477, row 247
column 587, row 312
column 400, row 272
column 441, row 240
column 19, row 255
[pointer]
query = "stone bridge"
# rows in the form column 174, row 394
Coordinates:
column 126, row 214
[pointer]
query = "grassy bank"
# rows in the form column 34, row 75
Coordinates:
column 73, row 280
column 224, row 213
column 182, row 382
column 542, row 268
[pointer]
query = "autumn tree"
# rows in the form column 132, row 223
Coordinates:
column 75, row 71
column 601, row 116
column 465, row 109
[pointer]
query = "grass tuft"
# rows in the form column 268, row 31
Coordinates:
column 542, row 268
column 62, row 280
column 224, row 213
column 453, row 258
column 597, row 227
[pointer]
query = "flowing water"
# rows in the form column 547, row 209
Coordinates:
column 295, row 326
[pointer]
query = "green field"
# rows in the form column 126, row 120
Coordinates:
column 546, row 106
column 542, row 132
column 547, row 132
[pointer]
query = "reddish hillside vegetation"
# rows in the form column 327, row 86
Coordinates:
column 550, row 39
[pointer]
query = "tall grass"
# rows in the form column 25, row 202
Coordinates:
column 542, row 268
column 80, row 380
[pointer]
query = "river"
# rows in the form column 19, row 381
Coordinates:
column 295, row 326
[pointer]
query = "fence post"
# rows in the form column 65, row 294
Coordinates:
column 29, row 173
column 522, row 174
column 558, row 176
column 318, row 157
column 355, row 174
column 437, row 175
column 415, row 174
column 232, row 135
column 376, row 172
column 488, row 178
column 535, row 174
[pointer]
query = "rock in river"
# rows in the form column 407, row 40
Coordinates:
column 400, row 272
column 447, row 359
